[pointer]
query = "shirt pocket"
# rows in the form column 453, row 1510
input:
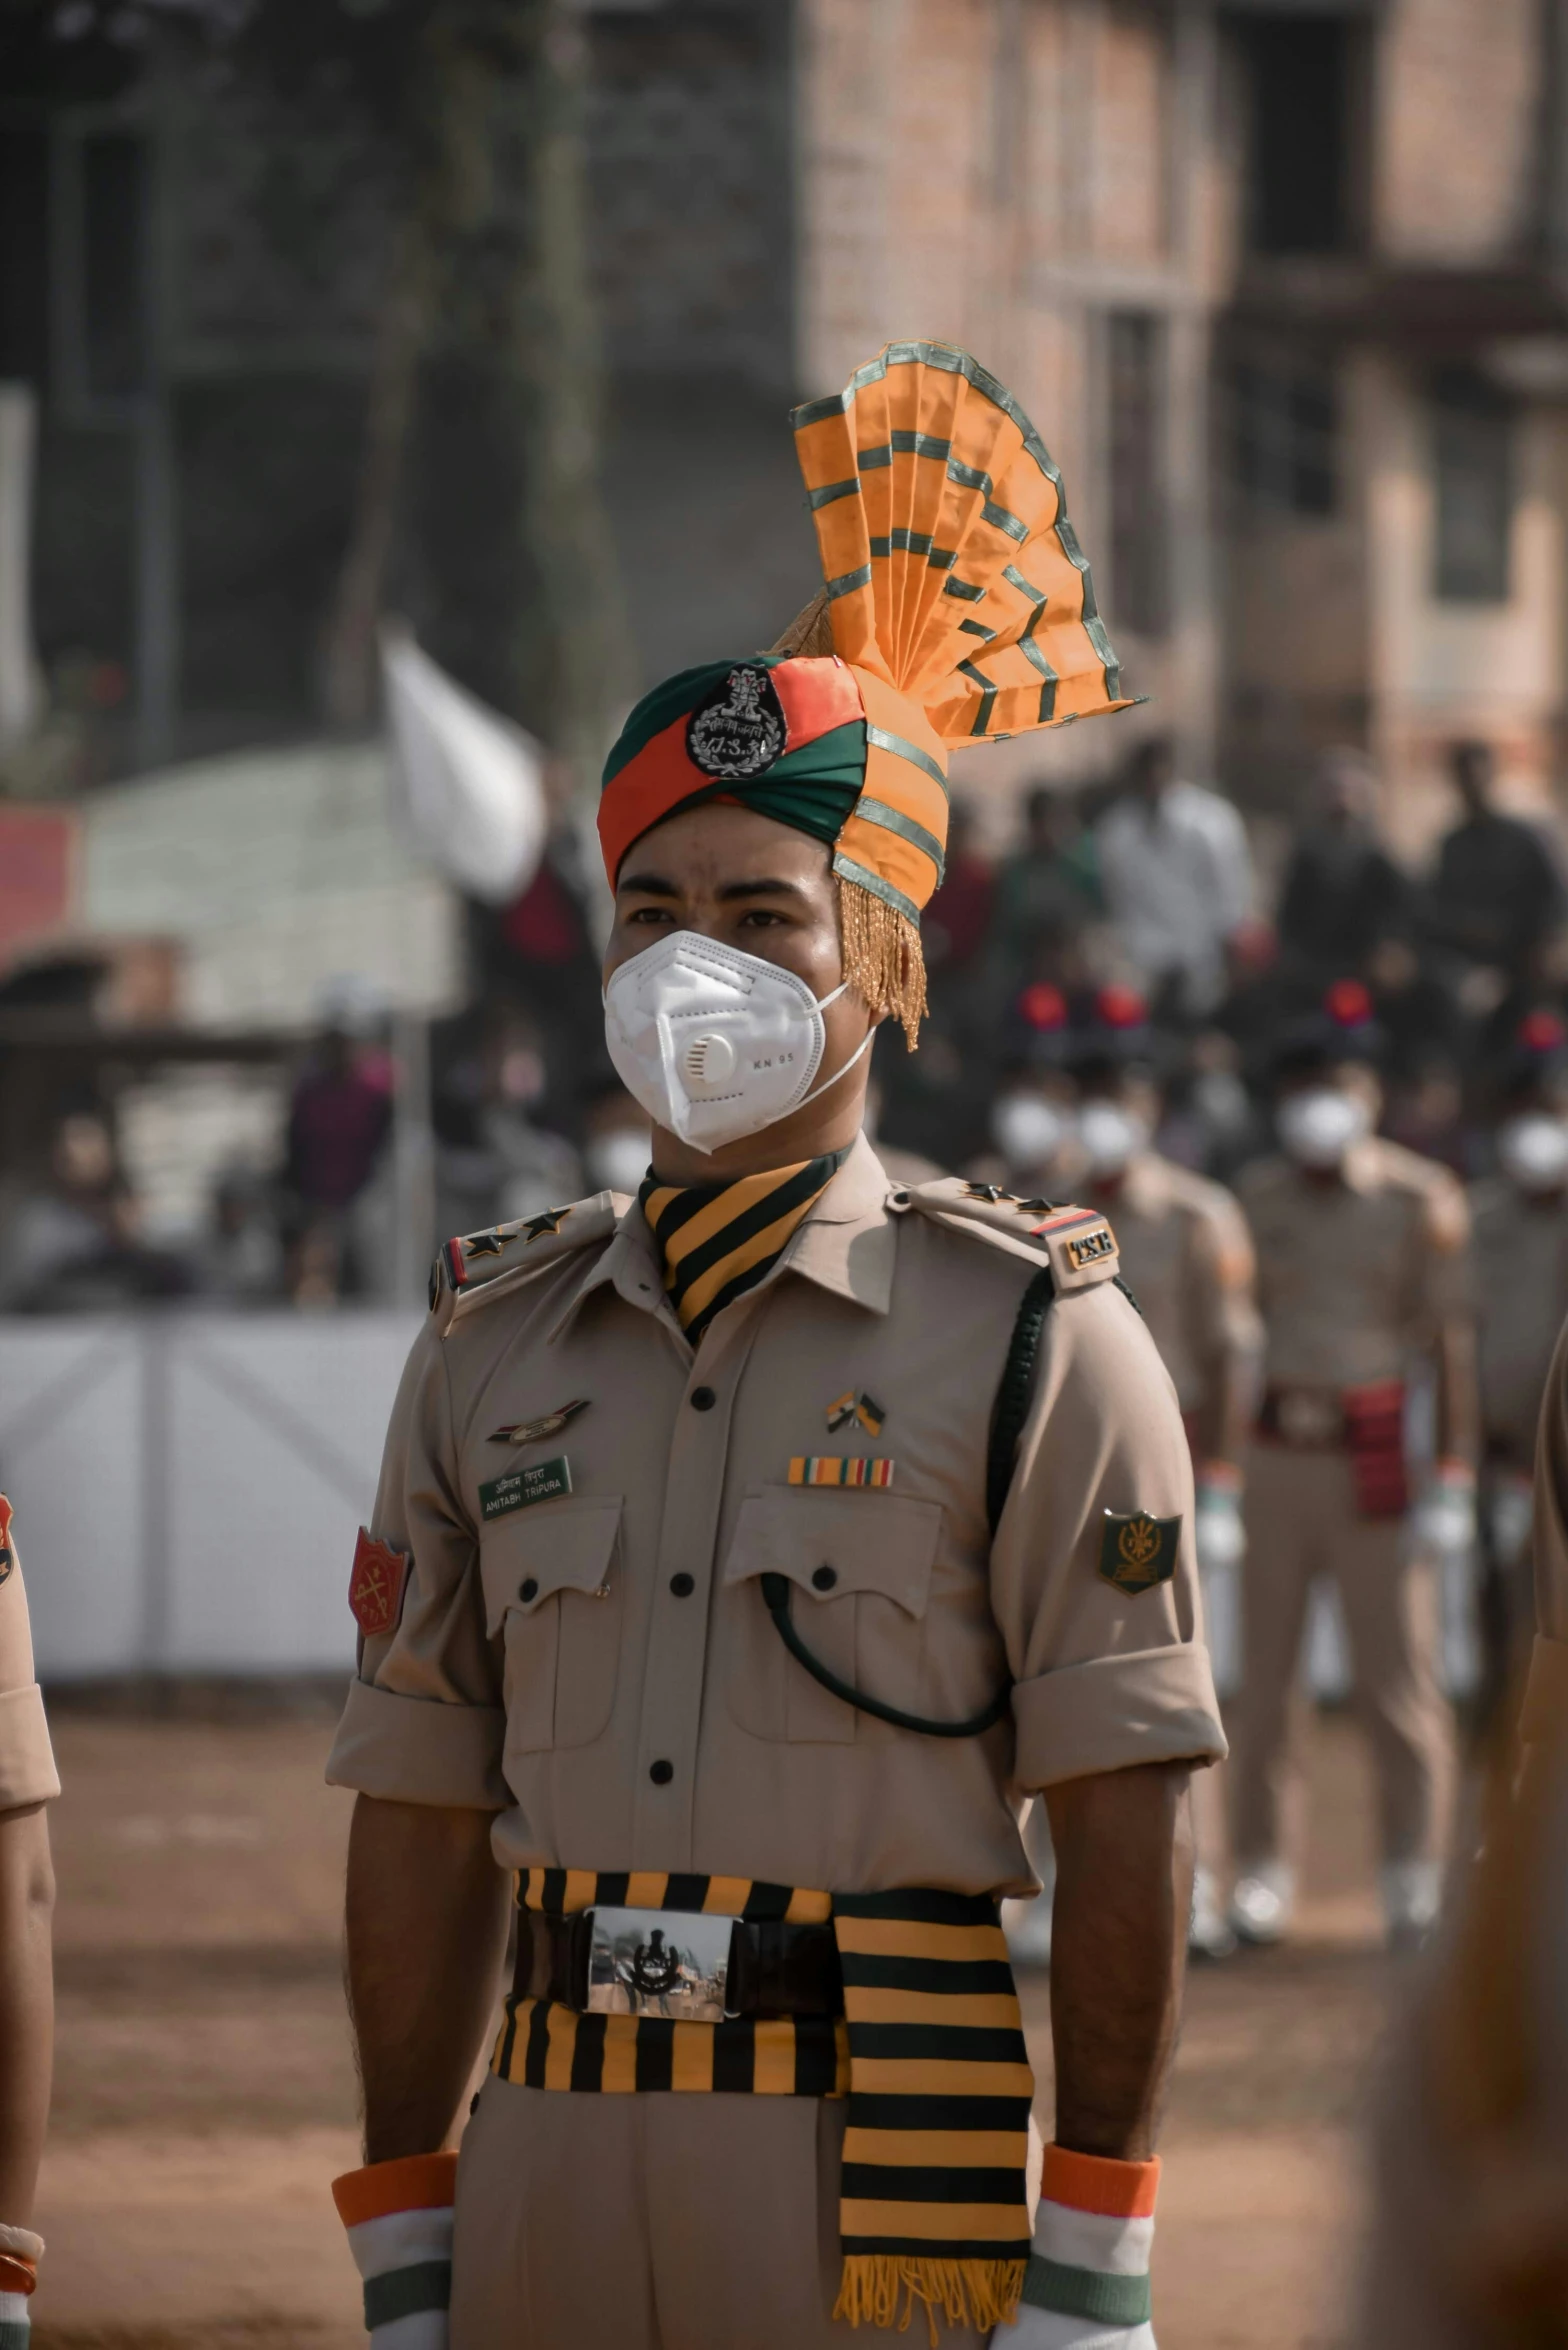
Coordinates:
column 554, row 1597
column 859, row 1568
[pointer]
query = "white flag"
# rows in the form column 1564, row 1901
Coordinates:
column 472, row 782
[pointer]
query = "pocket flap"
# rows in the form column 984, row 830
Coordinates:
column 834, row 1542
column 529, row 1557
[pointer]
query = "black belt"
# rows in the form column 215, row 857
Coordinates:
column 776, row 1968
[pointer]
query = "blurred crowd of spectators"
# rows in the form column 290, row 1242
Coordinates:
column 1148, row 913
column 1134, row 905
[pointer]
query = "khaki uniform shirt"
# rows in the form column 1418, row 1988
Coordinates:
column 1546, row 1696
column 27, row 1772
column 1521, row 1282
column 1355, row 1277
column 600, row 1667
column 1186, row 1255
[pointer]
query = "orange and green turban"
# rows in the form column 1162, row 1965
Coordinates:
column 956, row 607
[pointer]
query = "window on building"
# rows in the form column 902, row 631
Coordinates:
column 113, row 169
column 1300, row 73
column 1139, row 551
column 1285, row 432
column 1473, row 478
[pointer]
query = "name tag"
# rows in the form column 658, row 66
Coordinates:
column 542, row 1482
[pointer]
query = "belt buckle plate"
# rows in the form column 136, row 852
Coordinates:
column 659, row 1962
column 1309, row 1417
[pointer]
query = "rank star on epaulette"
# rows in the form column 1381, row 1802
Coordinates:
column 542, row 1227
column 532, row 1431
column 991, row 1193
column 484, row 1244
column 1137, row 1551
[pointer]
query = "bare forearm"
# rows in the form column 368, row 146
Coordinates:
column 1223, row 1420
column 1458, row 1401
column 1118, row 1951
column 26, row 2007
column 426, row 1927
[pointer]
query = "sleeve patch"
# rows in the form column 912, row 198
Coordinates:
column 1138, row 1552
column 375, row 1589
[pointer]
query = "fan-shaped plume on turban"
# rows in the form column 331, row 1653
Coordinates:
column 956, row 607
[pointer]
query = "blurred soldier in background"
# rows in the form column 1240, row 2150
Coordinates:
column 1362, row 1277
column 1520, row 1218
column 27, row 1783
column 1187, row 1258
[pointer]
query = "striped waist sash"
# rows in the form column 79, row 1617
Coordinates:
column 929, row 2051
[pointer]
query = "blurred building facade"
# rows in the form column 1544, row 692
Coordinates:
column 1281, row 284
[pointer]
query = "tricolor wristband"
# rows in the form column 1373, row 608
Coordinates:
column 399, row 2221
column 20, row 2253
column 1092, row 2237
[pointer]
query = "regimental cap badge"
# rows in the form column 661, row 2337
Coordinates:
column 738, row 728
column 375, row 1588
column 1137, row 1551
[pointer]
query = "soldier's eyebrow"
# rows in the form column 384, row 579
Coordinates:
column 657, row 885
column 732, row 890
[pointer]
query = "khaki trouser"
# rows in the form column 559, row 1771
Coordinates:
column 654, row 2222
column 1302, row 1522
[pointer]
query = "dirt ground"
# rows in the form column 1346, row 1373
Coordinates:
column 205, row 2093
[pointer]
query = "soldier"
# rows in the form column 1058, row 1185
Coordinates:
column 708, row 1592
column 1362, row 1278
column 1520, row 1219
column 27, row 1782
column 1186, row 1255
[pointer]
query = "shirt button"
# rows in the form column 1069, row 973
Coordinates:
column 530, row 1590
column 703, row 1399
column 682, row 1586
column 823, row 1578
column 661, row 1773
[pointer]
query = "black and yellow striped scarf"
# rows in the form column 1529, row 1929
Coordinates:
column 930, row 2052
column 718, row 1240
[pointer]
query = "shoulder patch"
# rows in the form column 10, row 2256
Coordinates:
column 474, row 1260
column 1137, row 1551
column 1079, row 1242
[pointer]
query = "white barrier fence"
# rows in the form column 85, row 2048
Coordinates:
column 187, row 1485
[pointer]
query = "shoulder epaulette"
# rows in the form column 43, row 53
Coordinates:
column 474, row 1260
column 1078, row 1242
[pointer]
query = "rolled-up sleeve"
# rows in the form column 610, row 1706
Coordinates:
column 1103, row 1677
column 27, row 1769
column 425, row 1719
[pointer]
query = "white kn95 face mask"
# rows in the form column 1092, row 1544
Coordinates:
column 714, row 1043
column 1320, row 1124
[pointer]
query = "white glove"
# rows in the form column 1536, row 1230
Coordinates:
column 1219, row 1526
column 1443, row 1522
column 1087, row 2286
column 1513, row 1510
column 399, row 2221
